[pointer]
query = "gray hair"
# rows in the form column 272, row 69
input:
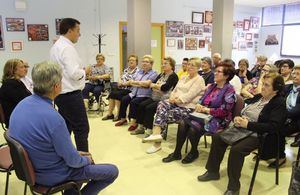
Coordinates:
column 45, row 76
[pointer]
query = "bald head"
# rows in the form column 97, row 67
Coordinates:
column 216, row 58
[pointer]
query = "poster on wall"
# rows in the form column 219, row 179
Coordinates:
column 38, row 32
column 208, row 17
column 57, row 23
column 174, row 29
column 271, row 40
column 180, row 44
column 15, row 24
column 191, row 43
column 1, row 34
column 254, row 22
column 193, row 30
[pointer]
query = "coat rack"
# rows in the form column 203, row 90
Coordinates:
column 99, row 37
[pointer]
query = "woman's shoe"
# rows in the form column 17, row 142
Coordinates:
column 120, row 123
column 132, row 127
column 171, row 158
column 280, row 163
column 108, row 117
column 153, row 149
column 191, row 157
column 152, row 138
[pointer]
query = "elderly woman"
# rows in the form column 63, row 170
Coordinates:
column 181, row 103
column 13, row 89
column 255, row 84
column 285, row 69
column 265, row 113
column 99, row 73
column 141, row 89
column 123, row 89
column 217, row 101
column 243, row 73
column 161, row 89
column 260, row 63
column 206, row 71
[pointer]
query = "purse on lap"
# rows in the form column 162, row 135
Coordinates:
column 234, row 134
column 200, row 117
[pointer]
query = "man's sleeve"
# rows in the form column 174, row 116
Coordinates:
column 71, row 64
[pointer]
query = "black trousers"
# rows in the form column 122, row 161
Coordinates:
column 118, row 94
column 126, row 100
column 145, row 112
column 237, row 154
column 186, row 130
column 71, row 107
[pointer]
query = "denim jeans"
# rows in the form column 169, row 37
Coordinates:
column 100, row 175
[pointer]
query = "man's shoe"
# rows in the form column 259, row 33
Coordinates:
column 138, row 131
column 207, row 176
column 231, row 192
column 280, row 163
column 152, row 138
column 190, row 158
column 120, row 123
column 108, row 117
column 171, row 158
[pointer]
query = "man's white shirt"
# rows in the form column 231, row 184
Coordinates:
column 64, row 53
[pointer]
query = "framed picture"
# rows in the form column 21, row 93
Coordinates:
column 38, row 32
column 255, row 35
column 1, row 34
column 171, row 42
column 57, row 23
column 240, row 24
column 249, row 44
column 180, row 44
column 191, row 43
column 242, row 46
column 197, row 17
column 16, row 46
column 15, row 24
column 254, row 22
column 208, row 17
column 193, row 30
column 248, row 36
column 271, row 40
column 174, row 29
column 246, row 24
column 201, row 43
column 207, row 28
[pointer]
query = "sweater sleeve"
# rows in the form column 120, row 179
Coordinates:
column 170, row 83
column 64, row 148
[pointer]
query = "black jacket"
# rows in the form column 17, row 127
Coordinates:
column 294, row 113
column 11, row 93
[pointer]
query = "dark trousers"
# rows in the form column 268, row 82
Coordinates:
column 185, row 130
column 237, row 154
column 71, row 107
column 95, row 89
column 134, row 105
column 126, row 100
column 145, row 112
column 100, row 176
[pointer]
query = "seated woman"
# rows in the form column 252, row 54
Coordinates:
column 217, row 101
column 285, row 69
column 161, row 89
column 265, row 113
column 13, row 89
column 255, row 84
column 141, row 89
column 181, row 103
column 243, row 73
column 206, row 72
column 123, row 89
column 99, row 73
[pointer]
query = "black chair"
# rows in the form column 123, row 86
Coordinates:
column 25, row 171
column 6, row 165
column 2, row 118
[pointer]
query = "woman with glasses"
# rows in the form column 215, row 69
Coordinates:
column 255, row 84
column 26, row 80
column 285, row 69
column 180, row 104
column 13, row 89
column 217, row 101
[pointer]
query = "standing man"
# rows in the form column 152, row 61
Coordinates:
column 70, row 102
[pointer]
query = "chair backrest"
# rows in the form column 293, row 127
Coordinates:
column 2, row 118
column 22, row 164
column 239, row 105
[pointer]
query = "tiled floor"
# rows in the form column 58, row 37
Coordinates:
column 145, row 174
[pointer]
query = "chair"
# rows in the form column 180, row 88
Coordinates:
column 25, row 171
column 6, row 165
column 2, row 118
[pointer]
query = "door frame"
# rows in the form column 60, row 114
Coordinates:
column 123, row 23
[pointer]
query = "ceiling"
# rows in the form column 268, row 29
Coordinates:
column 263, row 3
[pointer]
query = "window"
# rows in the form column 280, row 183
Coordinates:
column 272, row 15
column 292, row 13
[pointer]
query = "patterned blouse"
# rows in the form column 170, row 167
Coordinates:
column 98, row 70
column 129, row 75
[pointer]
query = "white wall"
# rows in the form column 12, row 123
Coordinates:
column 87, row 12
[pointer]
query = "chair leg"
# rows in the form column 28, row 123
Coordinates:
column 254, row 172
column 277, row 163
column 25, row 188
column 7, row 181
column 298, row 156
column 205, row 142
column 186, row 145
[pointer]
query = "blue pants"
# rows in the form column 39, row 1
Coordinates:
column 95, row 89
column 100, row 175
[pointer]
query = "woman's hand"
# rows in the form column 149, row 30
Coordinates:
column 202, row 109
column 178, row 101
column 241, row 122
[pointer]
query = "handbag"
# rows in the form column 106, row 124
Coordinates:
column 200, row 117
column 233, row 134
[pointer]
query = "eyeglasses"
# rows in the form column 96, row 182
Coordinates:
column 145, row 61
column 26, row 66
column 219, row 71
